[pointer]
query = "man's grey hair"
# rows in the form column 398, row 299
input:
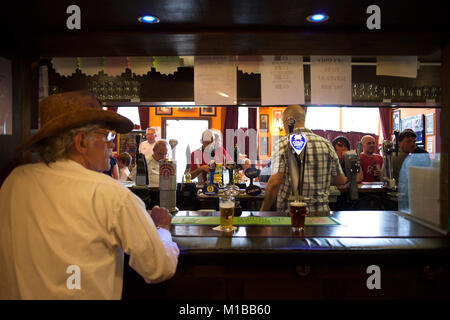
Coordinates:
column 58, row 147
column 161, row 143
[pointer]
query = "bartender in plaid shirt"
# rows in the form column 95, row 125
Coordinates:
column 321, row 170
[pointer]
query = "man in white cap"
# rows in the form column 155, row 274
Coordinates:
column 201, row 157
column 64, row 226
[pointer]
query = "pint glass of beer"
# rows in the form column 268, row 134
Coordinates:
column 297, row 211
column 226, row 205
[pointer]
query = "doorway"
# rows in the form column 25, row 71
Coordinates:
column 188, row 131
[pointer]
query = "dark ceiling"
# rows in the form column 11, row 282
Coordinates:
column 219, row 27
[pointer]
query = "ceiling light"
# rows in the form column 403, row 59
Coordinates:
column 318, row 17
column 148, row 19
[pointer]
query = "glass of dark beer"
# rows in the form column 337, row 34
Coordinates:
column 297, row 211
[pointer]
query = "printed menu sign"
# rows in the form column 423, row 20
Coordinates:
column 215, row 80
column 282, row 80
column 397, row 66
column 331, row 80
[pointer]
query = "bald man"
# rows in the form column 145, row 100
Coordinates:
column 160, row 150
column 321, row 170
column 371, row 163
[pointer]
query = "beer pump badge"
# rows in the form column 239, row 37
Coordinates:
column 298, row 142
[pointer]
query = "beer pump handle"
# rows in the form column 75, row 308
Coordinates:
column 138, row 142
column 291, row 123
column 358, row 153
column 396, row 134
column 236, row 157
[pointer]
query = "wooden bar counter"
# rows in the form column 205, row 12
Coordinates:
column 323, row 262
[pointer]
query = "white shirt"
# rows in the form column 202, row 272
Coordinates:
column 146, row 148
column 53, row 217
column 153, row 172
column 124, row 173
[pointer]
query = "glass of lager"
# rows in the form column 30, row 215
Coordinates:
column 297, row 211
column 226, row 205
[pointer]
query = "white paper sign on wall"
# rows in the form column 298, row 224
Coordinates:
column 282, row 80
column 331, row 80
column 215, row 80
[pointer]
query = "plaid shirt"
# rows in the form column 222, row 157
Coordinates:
column 321, row 164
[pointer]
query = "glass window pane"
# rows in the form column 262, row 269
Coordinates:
column 242, row 117
column 131, row 113
column 360, row 119
column 323, row 118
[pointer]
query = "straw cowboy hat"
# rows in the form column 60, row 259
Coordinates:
column 68, row 110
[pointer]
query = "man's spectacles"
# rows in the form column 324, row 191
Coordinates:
column 109, row 135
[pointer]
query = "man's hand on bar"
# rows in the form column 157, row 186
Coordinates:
column 161, row 217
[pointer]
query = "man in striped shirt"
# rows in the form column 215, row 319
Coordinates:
column 322, row 169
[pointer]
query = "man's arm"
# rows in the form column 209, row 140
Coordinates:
column 340, row 179
column 152, row 252
column 272, row 190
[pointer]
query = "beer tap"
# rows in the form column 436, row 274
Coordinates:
column 296, row 159
column 354, row 162
column 388, row 150
column 210, row 188
column 231, row 166
column 141, row 166
column 173, row 143
column 396, row 134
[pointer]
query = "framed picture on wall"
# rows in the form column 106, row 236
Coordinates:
column 396, row 120
column 276, row 118
column 264, row 146
column 429, row 124
column 163, row 111
column 264, row 122
column 208, row 111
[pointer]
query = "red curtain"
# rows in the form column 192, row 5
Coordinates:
column 231, row 122
column 143, row 117
column 353, row 137
column 385, row 118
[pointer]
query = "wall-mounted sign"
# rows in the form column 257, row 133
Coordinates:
column 331, row 80
column 282, row 80
column 215, row 80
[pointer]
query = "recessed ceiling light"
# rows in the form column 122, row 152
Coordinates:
column 148, row 19
column 318, row 17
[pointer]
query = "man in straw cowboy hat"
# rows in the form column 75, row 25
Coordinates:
column 64, row 225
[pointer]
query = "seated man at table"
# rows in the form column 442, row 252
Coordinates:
column 201, row 157
column 371, row 163
column 406, row 145
column 342, row 147
column 64, row 225
column 160, row 150
column 321, row 169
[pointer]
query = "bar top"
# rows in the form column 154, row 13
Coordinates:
column 360, row 233
column 359, row 224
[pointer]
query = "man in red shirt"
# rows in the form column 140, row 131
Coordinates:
column 371, row 163
column 201, row 157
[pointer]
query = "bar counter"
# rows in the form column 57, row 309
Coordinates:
column 323, row 262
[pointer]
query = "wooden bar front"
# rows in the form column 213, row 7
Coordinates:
column 324, row 262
